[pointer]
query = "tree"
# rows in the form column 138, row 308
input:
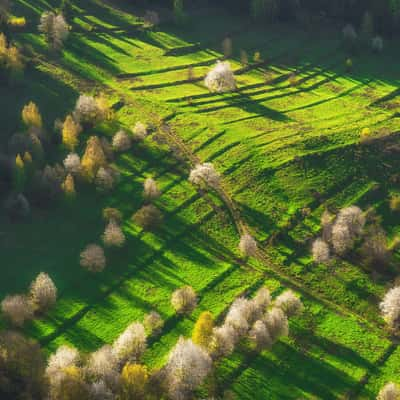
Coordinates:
column 22, row 365
column 179, row 14
column 203, row 330
column 112, row 214
column 121, row 141
column 68, row 186
column 90, row 110
column 134, row 381
column 43, row 292
column 70, row 133
column 148, row 217
column 260, row 336
column 205, row 174
column 353, row 218
column 69, row 385
column 221, row 78
column 104, row 179
column 140, row 131
column 377, row 44
column 93, row 158
column 103, row 366
column 63, row 357
column 55, row 29
column 31, row 116
column 153, row 323
column 227, row 47
column 320, row 251
column 289, row 303
column 277, row 323
column 131, row 344
column 5, row 6
column 187, row 367
column 113, row 235
column 17, row 309
column 262, row 299
column 93, row 258
column 375, row 249
column 99, row 391
column 72, row 163
column 264, row 9
column 19, row 174
column 247, row 245
column 367, row 27
column 150, row 189
column 326, row 224
column 349, row 36
column 390, row 307
column 391, row 391
column 223, row 341
column 17, row 206
column 342, row 240
column 184, row 300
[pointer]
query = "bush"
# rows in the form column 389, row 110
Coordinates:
column 43, row 292
column 184, row 300
column 220, row 79
column 17, row 309
column 93, row 258
column 148, row 217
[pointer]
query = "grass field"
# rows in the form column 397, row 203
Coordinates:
column 276, row 143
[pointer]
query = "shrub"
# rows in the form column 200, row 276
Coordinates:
column 17, row 309
column 205, row 174
column 112, row 214
column 93, row 258
column 134, row 381
column 153, row 323
column 220, row 79
column 391, row 391
column 320, row 252
column 203, row 330
column 121, row 141
column 247, row 245
column 150, row 189
column 148, row 217
column 72, row 163
column 43, row 292
column 390, row 307
column 184, row 300
column 131, row 344
column 187, row 367
column 289, row 303
column 113, row 235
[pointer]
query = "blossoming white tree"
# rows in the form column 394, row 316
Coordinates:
column 221, row 78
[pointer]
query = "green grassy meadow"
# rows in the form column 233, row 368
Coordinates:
column 291, row 130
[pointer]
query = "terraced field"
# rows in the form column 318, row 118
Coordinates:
column 287, row 144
